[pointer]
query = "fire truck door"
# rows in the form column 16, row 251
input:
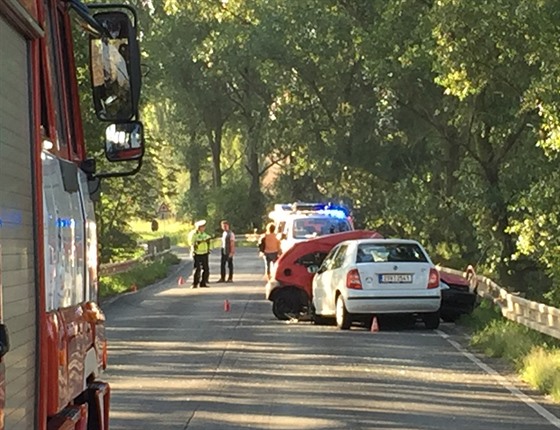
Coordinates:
column 17, row 235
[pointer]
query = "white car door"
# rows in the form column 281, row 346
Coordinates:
column 322, row 285
column 338, row 275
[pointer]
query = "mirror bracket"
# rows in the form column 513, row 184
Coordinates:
column 132, row 172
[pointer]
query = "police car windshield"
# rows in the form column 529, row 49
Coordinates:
column 318, row 226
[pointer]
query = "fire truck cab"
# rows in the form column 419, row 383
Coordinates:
column 52, row 338
column 300, row 221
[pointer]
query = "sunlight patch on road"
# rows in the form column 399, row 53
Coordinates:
column 277, row 422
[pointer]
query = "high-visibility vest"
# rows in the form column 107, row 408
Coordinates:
column 200, row 242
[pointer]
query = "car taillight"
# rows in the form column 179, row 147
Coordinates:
column 353, row 281
column 433, row 279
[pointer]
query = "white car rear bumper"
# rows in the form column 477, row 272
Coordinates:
column 388, row 305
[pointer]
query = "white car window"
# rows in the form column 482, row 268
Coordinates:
column 340, row 257
column 329, row 260
column 390, row 252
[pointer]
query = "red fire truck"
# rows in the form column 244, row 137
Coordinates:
column 52, row 339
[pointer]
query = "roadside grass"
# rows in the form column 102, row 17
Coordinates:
column 176, row 230
column 541, row 369
column 141, row 275
column 535, row 356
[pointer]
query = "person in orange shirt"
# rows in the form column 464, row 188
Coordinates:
column 269, row 246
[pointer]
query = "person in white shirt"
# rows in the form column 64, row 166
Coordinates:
column 228, row 251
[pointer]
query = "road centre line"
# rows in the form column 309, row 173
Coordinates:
column 551, row 418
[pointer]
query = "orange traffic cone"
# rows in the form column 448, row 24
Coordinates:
column 133, row 288
column 227, row 306
column 374, row 325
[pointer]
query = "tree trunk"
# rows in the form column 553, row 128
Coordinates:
column 255, row 194
column 215, row 140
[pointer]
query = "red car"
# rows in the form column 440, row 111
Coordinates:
column 290, row 290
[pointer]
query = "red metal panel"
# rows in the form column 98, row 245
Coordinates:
column 35, row 49
column 23, row 16
column 73, row 417
column 98, row 395
column 77, row 146
column 77, row 334
column 55, row 376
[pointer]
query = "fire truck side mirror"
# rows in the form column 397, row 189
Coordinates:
column 124, row 141
column 4, row 340
column 115, row 67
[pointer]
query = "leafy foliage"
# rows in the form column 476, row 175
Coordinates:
column 436, row 120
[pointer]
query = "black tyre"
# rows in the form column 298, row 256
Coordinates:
column 318, row 319
column 343, row 320
column 431, row 321
column 281, row 308
column 449, row 317
column 286, row 304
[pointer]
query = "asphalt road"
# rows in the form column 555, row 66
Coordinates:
column 179, row 360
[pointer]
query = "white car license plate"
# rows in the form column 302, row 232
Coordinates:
column 395, row 278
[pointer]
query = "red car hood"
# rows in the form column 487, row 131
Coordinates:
column 290, row 273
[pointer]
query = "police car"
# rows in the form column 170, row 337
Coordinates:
column 298, row 222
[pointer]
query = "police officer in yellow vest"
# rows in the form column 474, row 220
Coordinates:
column 200, row 245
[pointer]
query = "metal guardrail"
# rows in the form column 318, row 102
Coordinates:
column 537, row 316
column 154, row 248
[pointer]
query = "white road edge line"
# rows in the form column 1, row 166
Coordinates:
column 551, row 418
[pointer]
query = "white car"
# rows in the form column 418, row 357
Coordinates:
column 365, row 277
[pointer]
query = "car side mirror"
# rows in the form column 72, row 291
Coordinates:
column 313, row 269
column 124, row 141
column 115, row 67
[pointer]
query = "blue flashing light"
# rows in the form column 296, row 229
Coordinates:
column 64, row 222
column 341, row 209
column 335, row 213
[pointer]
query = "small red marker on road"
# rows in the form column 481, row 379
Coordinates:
column 227, row 306
column 374, row 325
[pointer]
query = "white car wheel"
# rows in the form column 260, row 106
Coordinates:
column 343, row 320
